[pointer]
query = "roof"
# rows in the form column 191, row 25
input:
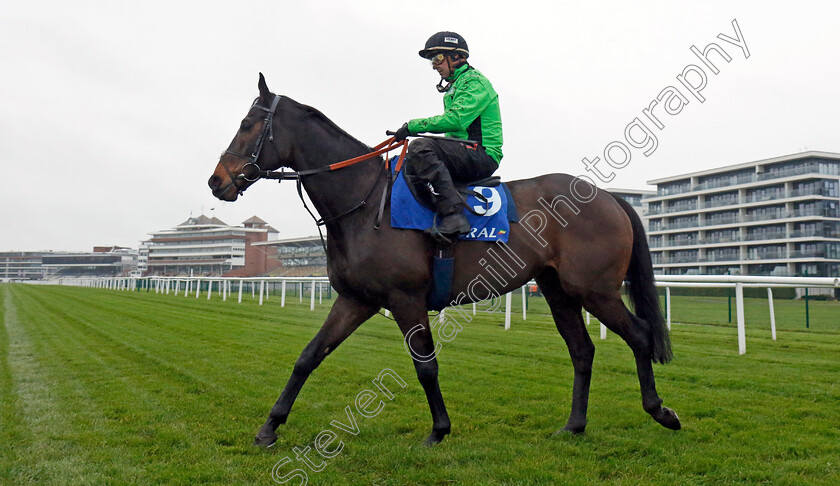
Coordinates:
column 747, row 165
column 641, row 192
column 254, row 220
column 302, row 242
column 202, row 220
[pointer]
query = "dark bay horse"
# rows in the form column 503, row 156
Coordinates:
column 579, row 244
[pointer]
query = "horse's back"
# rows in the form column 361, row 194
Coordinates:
column 580, row 230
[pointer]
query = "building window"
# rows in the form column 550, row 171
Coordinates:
column 722, row 236
column 723, row 217
column 765, row 193
column 766, row 252
column 721, row 199
column 772, row 232
column 765, row 213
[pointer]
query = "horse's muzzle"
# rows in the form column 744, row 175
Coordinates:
column 228, row 192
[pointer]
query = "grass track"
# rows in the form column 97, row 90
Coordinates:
column 103, row 387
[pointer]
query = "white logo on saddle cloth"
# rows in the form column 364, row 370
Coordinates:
column 494, row 201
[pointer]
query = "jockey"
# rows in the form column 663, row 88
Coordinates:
column 470, row 111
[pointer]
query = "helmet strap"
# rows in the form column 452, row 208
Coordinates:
column 443, row 88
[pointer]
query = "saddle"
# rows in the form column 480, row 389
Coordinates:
column 415, row 192
column 421, row 193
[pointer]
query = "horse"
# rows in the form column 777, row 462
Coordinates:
column 580, row 244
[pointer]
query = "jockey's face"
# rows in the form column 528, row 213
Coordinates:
column 442, row 64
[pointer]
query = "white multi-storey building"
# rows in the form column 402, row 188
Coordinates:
column 777, row 216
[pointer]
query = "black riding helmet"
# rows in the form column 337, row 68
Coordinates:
column 445, row 41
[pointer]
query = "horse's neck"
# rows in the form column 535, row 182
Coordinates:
column 335, row 192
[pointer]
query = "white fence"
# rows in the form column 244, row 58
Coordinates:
column 189, row 286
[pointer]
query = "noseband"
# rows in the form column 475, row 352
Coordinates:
column 267, row 131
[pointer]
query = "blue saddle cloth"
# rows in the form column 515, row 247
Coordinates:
column 499, row 211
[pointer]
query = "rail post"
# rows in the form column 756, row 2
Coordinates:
column 739, row 309
column 312, row 296
column 772, row 313
column 507, row 310
column 283, row 293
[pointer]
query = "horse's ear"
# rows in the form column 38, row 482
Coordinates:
column 264, row 92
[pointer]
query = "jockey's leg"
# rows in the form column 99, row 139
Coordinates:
column 425, row 161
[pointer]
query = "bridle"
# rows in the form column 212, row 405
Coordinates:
column 267, row 132
column 267, row 129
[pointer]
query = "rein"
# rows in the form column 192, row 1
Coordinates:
column 283, row 175
column 256, row 172
column 380, row 149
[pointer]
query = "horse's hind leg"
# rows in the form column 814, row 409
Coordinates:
column 612, row 312
column 345, row 317
column 567, row 317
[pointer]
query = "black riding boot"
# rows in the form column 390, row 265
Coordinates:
column 427, row 166
column 450, row 221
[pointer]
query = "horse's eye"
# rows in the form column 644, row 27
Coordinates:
column 245, row 127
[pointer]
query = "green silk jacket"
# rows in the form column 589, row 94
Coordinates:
column 470, row 111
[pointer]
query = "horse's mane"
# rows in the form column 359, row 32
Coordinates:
column 310, row 112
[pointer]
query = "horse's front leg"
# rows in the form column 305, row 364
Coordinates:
column 345, row 317
column 413, row 320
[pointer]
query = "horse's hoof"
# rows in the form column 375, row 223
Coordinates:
column 265, row 440
column 574, row 428
column 667, row 418
column 570, row 429
column 435, row 438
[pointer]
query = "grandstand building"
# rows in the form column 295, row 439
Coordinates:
column 204, row 246
column 21, row 265
column 299, row 257
column 102, row 262
column 46, row 265
column 777, row 216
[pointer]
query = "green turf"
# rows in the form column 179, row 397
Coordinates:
column 105, row 387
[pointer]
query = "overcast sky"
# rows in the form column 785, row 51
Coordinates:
column 113, row 114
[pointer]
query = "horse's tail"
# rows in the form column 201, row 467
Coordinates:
column 641, row 288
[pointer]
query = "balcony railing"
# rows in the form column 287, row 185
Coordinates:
column 764, row 216
column 681, row 242
column 811, row 191
column 808, row 254
column 725, row 182
column 809, row 212
column 682, row 259
column 766, row 236
column 806, row 233
column 767, row 255
column 717, row 221
column 765, row 197
column 681, row 207
column 720, row 203
column 722, row 239
column 809, row 168
column 682, row 225
column 720, row 258
column 778, row 174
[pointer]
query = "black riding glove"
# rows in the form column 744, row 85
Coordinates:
column 402, row 133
